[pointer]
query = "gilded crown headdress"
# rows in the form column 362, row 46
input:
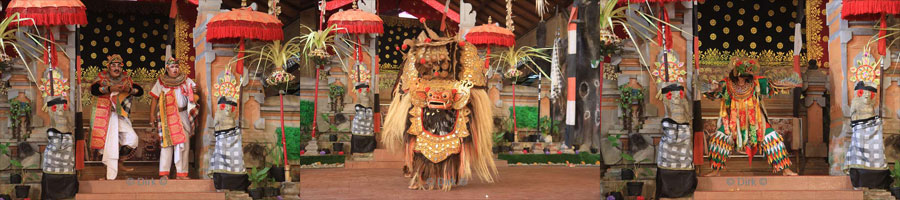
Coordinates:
column 744, row 66
column 865, row 69
column 676, row 70
column 171, row 61
column 115, row 58
column 227, row 86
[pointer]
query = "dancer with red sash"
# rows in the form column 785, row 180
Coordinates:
column 110, row 126
column 172, row 114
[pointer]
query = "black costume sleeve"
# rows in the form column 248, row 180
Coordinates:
column 140, row 90
column 95, row 89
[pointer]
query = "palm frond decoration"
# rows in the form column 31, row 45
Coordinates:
column 524, row 56
column 611, row 16
column 28, row 48
column 312, row 49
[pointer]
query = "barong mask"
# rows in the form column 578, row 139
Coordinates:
column 441, row 88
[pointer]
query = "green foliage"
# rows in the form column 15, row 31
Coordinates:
column 526, row 116
column 257, row 177
column 550, row 126
column 296, row 137
column 326, row 159
column 20, row 115
column 335, row 91
column 896, row 174
column 585, row 157
column 275, row 155
column 499, row 140
column 626, row 158
column 306, row 111
column 627, row 95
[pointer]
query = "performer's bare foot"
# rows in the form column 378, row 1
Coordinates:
column 712, row 173
column 788, row 172
column 182, row 178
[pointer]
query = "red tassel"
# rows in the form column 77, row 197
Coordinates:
column 882, row 43
column 490, row 38
column 487, row 59
column 358, row 27
column 48, row 16
column 221, row 106
column 859, row 93
column 228, row 31
column 668, row 29
column 240, row 62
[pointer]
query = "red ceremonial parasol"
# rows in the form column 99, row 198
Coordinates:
column 48, row 12
column 490, row 34
column 356, row 21
column 870, row 10
column 243, row 23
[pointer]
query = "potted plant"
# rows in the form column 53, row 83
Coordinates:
column 550, row 128
column 895, row 173
column 498, row 138
column 272, row 190
column 256, row 182
column 275, row 159
column 633, row 188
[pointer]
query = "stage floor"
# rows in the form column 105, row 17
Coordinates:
column 515, row 183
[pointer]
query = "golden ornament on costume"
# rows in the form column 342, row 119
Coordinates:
column 440, row 117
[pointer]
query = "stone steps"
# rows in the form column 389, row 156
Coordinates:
column 149, row 189
column 765, row 183
column 183, row 195
column 780, row 194
column 776, row 187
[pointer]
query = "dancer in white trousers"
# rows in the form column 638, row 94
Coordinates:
column 173, row 110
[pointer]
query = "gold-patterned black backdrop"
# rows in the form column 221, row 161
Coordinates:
column 395, row 31
column 762, row 29
column 139, row 38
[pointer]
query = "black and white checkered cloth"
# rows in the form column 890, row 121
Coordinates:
column 675, row 147
column 59, row 156
column 362, row 122
column 228, row 155
column 866, row 145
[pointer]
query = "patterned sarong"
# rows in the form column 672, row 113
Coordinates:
column 228, row 156
column 59, row 156
column 170, row 124
column 675, row 149
column 866, row 146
